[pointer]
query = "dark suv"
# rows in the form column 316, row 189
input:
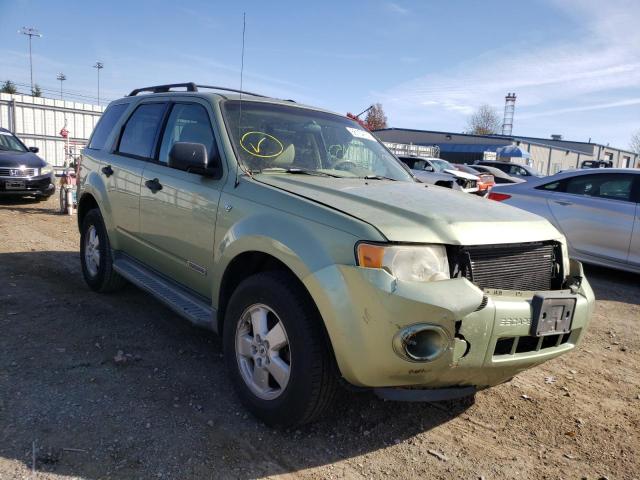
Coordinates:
column 22, row 172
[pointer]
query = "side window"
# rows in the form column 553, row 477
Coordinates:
column 109, row 118
column 139, row 134
column 553, row 186
column 610, row 186
column 516, row 170
column 187, row 123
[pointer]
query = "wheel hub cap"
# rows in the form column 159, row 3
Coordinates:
column 92, row 251
column 263, row 352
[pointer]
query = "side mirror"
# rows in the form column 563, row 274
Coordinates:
column 34, row 149
column 193, row 158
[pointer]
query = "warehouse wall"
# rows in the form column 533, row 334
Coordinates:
column 37, row 121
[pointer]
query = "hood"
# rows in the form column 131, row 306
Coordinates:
column 432, row 177
column 460, row 174
column 418, row 212
column 15, row 159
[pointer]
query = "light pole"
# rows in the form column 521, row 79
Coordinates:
column 62, row 77
column 99, row 66
column 30, row 32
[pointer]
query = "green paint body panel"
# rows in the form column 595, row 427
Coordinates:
column 196, row 226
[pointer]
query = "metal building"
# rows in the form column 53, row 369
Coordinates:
column 548, row 156
column 37, row 121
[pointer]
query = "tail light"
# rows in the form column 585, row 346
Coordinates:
column 499, row 197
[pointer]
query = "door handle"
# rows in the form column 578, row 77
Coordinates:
column 563, row 202
column 153, row 185
column 108, row 171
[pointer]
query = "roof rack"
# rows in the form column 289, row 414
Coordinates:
column 191, row 87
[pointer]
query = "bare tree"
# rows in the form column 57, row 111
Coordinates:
column 484, row 121
column 376, row 119
column 634, row 144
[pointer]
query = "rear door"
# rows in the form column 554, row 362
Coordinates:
column 596, row 212
column 178, row 220
column 122, row 169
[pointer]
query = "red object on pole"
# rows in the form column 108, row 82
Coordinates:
column 64, row 133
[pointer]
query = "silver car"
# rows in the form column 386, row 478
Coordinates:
column 598, row 210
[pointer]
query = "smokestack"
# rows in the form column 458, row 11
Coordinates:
column 509, row 109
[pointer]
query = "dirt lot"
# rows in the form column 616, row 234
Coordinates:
column 163, row 408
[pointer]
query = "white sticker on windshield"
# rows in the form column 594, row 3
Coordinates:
column 6, row 133
column 356, row 132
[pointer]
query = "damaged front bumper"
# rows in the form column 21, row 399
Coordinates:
column 488, row 335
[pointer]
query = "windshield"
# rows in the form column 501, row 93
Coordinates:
column 282, row 139
column 442, row 165
column 10, row 143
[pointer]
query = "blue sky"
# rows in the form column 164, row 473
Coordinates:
column 574, row 64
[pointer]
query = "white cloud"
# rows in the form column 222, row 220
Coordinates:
column 550, row 78
column 395, row 8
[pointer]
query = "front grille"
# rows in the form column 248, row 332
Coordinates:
column 531, row 266
column 513, row 345
column 27, row 172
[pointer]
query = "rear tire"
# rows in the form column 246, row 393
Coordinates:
column 283, row 374
column 95, row 255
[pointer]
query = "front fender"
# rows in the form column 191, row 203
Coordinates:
column 302, row 245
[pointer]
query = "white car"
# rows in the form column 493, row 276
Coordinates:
column 467, row 182
column 598, row 210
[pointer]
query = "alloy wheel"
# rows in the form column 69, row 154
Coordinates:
column 263, row 352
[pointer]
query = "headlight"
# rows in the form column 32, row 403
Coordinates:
column 424, row 263
column 46, row 169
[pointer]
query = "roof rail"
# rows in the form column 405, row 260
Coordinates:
column 225, row 89
column 191, row 87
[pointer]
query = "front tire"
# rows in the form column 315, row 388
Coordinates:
column 276, row 353
column 95, row 255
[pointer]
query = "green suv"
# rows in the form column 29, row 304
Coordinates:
column 316, row 255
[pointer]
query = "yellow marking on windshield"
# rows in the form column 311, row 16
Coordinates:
column 260, row 144
column 257, row 149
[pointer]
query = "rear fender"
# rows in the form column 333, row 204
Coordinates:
column 93, row 185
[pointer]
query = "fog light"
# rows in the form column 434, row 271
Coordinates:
column 421, row 342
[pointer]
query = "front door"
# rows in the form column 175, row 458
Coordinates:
column 178, row 220
column 123, row 169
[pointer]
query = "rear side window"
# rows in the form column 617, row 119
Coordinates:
column 109, row 118
column 139, row 135
column 187, row 123
column 516, row 170
column 553, row 186
column 610, row 186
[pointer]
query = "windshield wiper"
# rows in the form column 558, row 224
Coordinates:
column 300, row 171
column 378, row 177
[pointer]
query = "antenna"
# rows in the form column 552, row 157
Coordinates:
column 244, row 27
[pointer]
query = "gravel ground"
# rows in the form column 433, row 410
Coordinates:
column 117, row 386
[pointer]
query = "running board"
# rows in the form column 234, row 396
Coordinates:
column 181, row 301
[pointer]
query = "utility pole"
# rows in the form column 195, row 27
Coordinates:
column 62, row 77
column 99, row 66
column 30, row 32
